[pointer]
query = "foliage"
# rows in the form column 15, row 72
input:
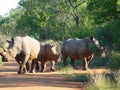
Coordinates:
column 104, row 11
column 93, row 48
column 8, row 24
column 114, row 62
column 54, row 19
column 98, row 62
column 107, row 18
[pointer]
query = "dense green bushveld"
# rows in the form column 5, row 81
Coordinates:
column 114, row 62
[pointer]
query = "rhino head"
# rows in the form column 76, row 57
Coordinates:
column 14, row 46
column 6, row 55
column 2, row 54
column 96, row 48
column 52, row 52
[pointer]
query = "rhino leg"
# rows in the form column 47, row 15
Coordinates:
column 22, row 65
column 43, row 66
column 33, row 66
column 52, row 66
column 24, row 69
column 89, row 59
column 85, row 63
column 37, row 66
column 73, row 63
column 65, row 61
column 27, row 66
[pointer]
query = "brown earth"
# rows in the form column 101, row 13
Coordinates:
column 10, row 80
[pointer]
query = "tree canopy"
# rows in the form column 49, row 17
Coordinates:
column 62, row 19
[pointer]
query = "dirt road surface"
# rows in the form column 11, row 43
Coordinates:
column 10, row 80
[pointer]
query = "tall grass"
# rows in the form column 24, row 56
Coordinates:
column 103, row 82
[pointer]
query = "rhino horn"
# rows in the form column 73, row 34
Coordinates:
column 12, row 39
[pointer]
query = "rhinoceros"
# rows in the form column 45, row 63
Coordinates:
column 1, row 54
column 48, row 53
column 19, row 57
column 29, row 47
column 78, row 49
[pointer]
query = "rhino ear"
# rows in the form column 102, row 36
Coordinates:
column 8, row 41
column 5, row 50
column 53, row 46
column 12, row 39
column 91, row 37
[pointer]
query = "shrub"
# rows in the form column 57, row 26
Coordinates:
column 114, row 62
column 99, row 62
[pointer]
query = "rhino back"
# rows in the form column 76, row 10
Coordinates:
column 30, row 46
column 75, row 48
column 44, row 51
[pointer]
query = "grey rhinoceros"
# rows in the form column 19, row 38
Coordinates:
column 48, row 53
column 26, row 47
column 78, row 49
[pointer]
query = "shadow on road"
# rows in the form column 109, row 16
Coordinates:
column 10, row 78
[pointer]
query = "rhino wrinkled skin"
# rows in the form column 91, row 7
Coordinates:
column 77, row 49
column 25, row 48
column 48, row 53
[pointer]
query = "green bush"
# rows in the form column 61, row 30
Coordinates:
column 114, row 62
column 93, row 48
column 98, row 62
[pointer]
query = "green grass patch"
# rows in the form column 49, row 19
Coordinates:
column 104, row 82
column 77, row 77
column 1, row 63
column 66, row 70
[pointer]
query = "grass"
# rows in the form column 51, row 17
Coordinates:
column 1, row 62
column 104, row 82
column 66, row 70
column 77, row 77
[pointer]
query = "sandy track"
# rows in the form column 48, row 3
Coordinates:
column 10, row 80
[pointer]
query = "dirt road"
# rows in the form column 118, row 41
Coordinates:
column 10, row 80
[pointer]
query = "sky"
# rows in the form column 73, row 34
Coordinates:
column 7, row 5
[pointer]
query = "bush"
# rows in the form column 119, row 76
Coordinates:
column 99, row 62
column 114, row 62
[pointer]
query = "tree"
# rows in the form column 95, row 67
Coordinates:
column 107, row 16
